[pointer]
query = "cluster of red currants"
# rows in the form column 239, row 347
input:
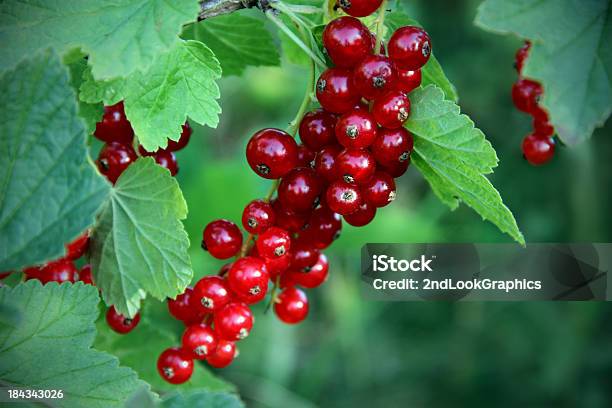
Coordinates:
column 539, row 146
column 352, row 148
column 118, row 152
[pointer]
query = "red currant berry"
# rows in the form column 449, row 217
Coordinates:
column 343, row 198
column 199, row 340
column 223, row 355
column 62, row 270
column 77, row 248
column 317, row 129
column 167, row 160
column 32, row 272
column 325, row 162
column 323, row 228
column 356, row 129
column 374, row 76
column 288, row 220
column 392, row 109
column 410, row 48
column 175, row 365
column 181, row 307
column 277, row 266
column 4, row 275
column 303, row 255
column 272, row 153
column 114, row 126
column 392, row 146
column 183, row 140
column 543, row 129
column 120, row 323
column 379, row 190
column 408, row 80
column 359, row 8
column 363, row 216
column 305, row 157
column 526, row 94
column 273, row 243
column 234, row 321
column 248, row 278
column 336, row 91
column 222, row 238
column 291, row 305
column 521, row 56
column 299, row 190
column 210, row 294
column 347, row 41
column 114, row 158
column 396, row 170
column 355, row 166
column 85, row 275
column 312, row 278
column 538, row 150
column 258, row 216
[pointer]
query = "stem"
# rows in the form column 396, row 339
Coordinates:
column 285, row 8
column 273, row 294
column 302, row 9
column 380, row 26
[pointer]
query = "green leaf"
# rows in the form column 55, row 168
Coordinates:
column 120, row 36
column 180, row 83
column 153, row 335
column 432, row 71
column 91, row 113
column 202, row 399
column 49, row 190
column 238, row 42
column 139, row 244
column 50, row 348
column 454, row 156
column 571, row 56
column 292, row 52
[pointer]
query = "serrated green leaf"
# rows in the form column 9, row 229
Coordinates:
column 454, row 156
column 139, row 245
column 120, row 36
column 202, row 399
column 89, row 112
column 571, row 56
column 49, row 190
column 238, row 42
column 153, row 335
column 432, row 72
column 180, row 83
column 50, row 348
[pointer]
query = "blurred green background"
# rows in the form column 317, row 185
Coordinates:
column 352, row 353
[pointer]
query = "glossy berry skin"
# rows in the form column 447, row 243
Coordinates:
column 538, row 150
column 199, row 340
column 410, row 48
column 120, row 323
column 379, row 190
column 4, row 275
column 272, row 153
column 347, row 41
column 303, row 255
column 288, row 220
column 114, row 126
column 543, row 129
column 181, row 307
column 408, row 80
column 336, row 90
column 277, row 266
column 396, row 170
column 234, row 322
column 258, row 216
column 175, row 365
column 174, row 146
column 392, row 146
column 324, row 227
column 305, row 157
column 62, row 270
column 374, row 76
column 391, row 110
column 363, row 216
column 343, row 198
column 210, row 294
column 312, row 278
column 222, row 238
column 526, row 94
column 521, row 56
column 114, row 158
column 223, row 355
column 355, row 166
column 317, row 129
column 299, row 190
column 273, row 243
column 167, row 160
column 248, row 279
column 85, row 275
column 325, row 162
column 359, row 8
column 78, row 247
column 291, row 305
column 356, row 129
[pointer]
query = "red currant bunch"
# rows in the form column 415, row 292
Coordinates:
column 539, row 146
